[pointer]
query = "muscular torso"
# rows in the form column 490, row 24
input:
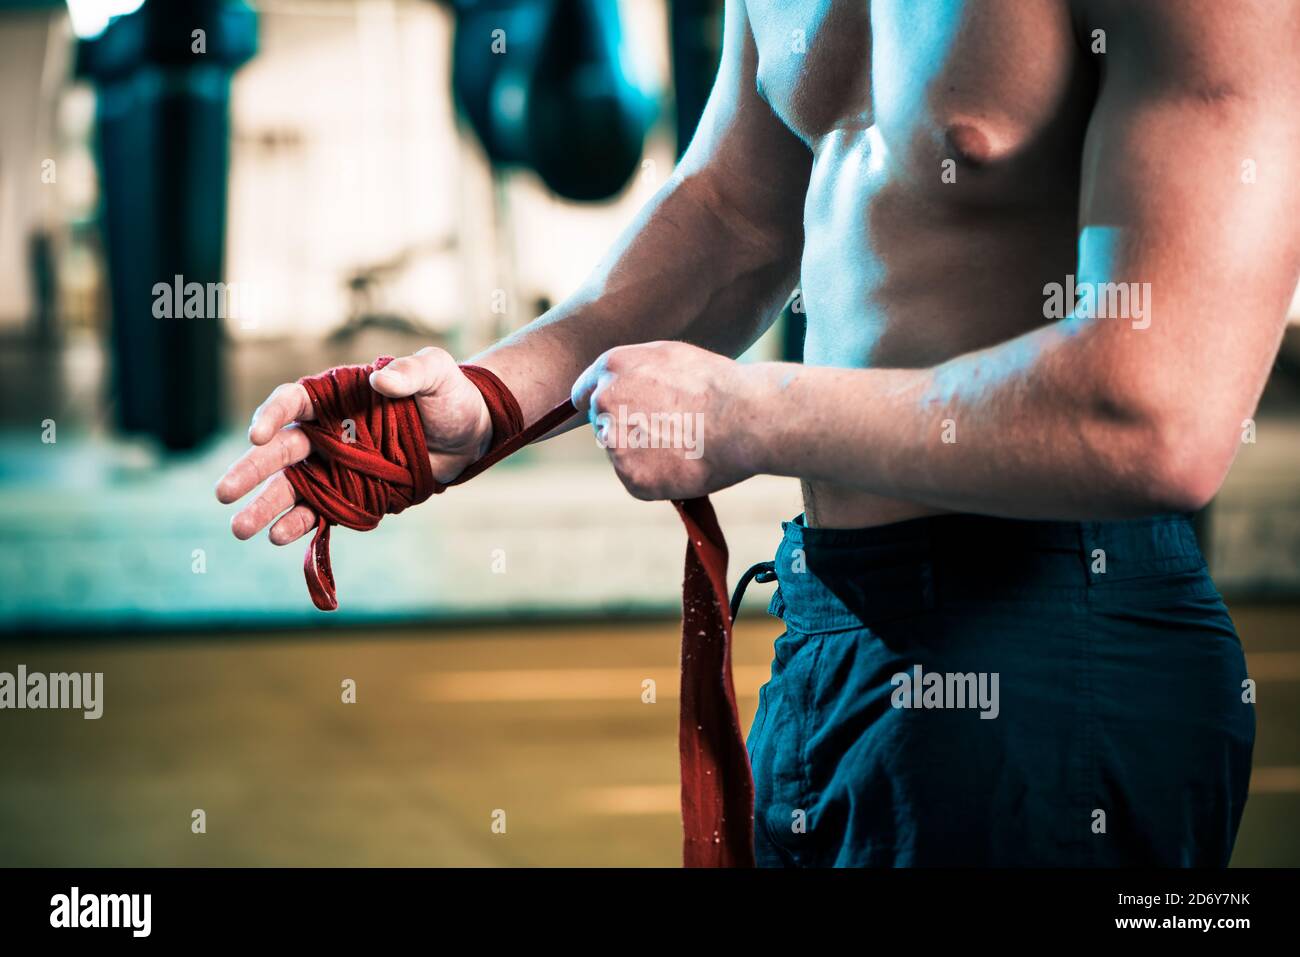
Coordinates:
column 946, row 137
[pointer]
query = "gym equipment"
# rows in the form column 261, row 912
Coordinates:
column 163, row 127
column 543, row 86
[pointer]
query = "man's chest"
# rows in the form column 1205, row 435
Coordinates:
column 978, row 81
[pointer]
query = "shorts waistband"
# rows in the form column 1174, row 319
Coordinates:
column 834, row 577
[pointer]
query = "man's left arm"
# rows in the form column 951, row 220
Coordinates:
column 1191, row 184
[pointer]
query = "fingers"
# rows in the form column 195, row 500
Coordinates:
column 286, row 447
column 288, row 403
column 276, row 496
column 584, row 390
column 418, row 374
column 277, row 445
column 292, row 526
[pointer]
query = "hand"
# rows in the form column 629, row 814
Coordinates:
column 457, row 429
column 677, row 421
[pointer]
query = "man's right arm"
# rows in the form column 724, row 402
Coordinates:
column 709, row 260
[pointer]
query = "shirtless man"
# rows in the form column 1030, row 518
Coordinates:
column 994, row 492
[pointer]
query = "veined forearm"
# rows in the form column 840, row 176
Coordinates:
column 1024, row 430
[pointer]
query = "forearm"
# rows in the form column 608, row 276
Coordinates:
column 1034, row 428
column 688, row 268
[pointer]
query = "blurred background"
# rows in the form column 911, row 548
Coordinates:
column 200, row 199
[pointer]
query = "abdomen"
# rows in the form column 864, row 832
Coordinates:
column 898, row 277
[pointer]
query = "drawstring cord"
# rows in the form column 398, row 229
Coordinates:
column 762, row 572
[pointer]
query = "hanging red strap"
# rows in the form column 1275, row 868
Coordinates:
column 369, row 459
column 717, row 784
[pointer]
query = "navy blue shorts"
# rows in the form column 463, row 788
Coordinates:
column 962, row 690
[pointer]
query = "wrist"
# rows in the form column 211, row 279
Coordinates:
column 487, row 430
column 483, row 430
column 757, row 414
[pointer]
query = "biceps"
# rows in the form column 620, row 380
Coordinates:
column 741, row 155
column 1191, row 200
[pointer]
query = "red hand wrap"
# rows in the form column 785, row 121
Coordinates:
column 368, row 460
column 354, row 477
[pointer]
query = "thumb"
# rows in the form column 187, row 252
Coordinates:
column 583, row 393
column 418, row 374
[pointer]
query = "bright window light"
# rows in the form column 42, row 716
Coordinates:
column 90, row 18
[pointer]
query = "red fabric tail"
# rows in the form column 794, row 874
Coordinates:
column 369, row 459
column 717, row 784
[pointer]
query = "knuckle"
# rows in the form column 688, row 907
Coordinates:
column 296, row 440
column 643, row 491
column 433, row 353
column 638, row 484
column 433, row 359
column 615, row 359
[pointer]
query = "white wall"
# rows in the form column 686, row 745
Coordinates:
column 26, row 139
column 346, row 152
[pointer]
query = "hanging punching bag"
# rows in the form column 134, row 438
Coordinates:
column 162, row 137
column 542, row 85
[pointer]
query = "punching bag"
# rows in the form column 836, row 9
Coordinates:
column 162, row 130
column 542, row 85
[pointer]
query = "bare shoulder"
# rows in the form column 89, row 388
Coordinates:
column 1214, row 51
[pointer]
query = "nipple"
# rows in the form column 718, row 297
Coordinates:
column 967, row 144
